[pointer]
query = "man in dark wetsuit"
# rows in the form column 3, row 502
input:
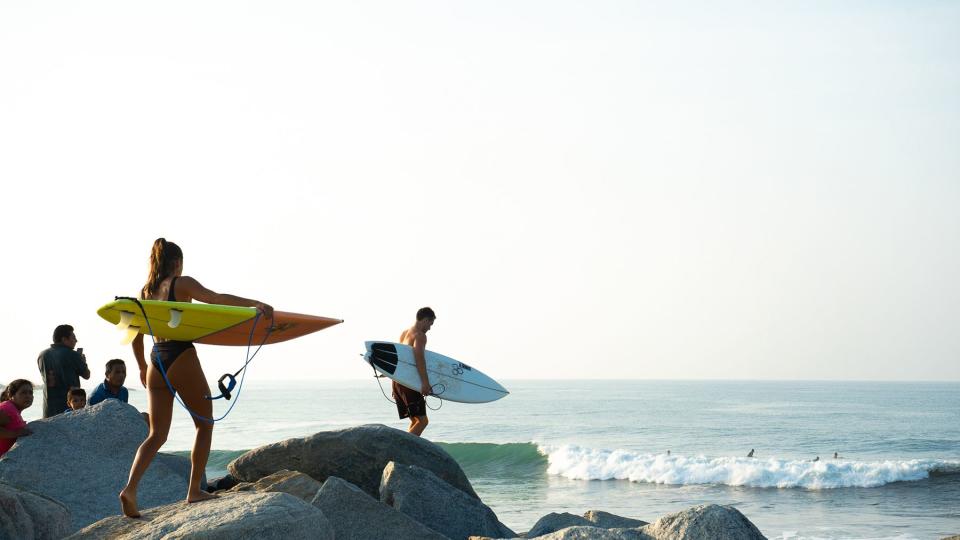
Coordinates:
column 411, row 403
column 60, row 368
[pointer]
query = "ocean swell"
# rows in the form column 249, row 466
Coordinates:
column 510, row 460
column 527, row 461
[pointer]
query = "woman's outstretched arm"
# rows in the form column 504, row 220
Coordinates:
column 187, row 286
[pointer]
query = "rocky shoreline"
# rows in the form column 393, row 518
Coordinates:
column 366, row 482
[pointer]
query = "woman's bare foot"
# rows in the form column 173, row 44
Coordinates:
column 128, row 504
column 200, row 496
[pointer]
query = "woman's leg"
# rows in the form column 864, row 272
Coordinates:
column 187, row 377
column 160, row 405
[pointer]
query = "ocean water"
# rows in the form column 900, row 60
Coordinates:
column 572, row 446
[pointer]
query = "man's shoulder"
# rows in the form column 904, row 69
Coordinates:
column 55, row 352
column 97, row 395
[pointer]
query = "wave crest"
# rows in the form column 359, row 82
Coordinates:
column 577, row 463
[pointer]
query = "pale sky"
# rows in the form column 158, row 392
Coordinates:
column 730, row 190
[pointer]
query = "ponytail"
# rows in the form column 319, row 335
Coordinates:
column 164, row 257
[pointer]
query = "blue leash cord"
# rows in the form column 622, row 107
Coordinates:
column 225, row 392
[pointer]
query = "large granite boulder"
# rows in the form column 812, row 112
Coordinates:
column 592, row 519
column 426, row 498
column 356, row 454
column 292, row 482
column 705, row 521
column 606, row 520
column 28, row 515
column 553, row 522
column 82, row 459
column 355, row 515
column 233, row 516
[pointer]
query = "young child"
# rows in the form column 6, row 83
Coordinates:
column 17, row 396
column 76, row 398
column 112, row 386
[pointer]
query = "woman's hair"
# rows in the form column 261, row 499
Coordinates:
column 13, row 388
column 163, row 260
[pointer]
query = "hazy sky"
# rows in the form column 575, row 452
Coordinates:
column 750, row 190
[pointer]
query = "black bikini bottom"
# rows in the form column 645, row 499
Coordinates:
column 166, row 352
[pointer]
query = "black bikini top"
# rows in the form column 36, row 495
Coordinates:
column 171, row 296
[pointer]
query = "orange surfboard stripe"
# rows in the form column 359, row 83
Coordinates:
column 284, row 326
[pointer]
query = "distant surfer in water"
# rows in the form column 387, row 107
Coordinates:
column 751, row 453
column 183, row 372
column 411, row 403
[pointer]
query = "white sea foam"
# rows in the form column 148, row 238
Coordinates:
column 580, row 463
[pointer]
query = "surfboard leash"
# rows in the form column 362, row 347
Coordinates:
column 378, row 376
column 225, row 390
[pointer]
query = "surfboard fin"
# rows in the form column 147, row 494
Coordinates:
column 131, row 332
column 175, row 316
column 126, row 318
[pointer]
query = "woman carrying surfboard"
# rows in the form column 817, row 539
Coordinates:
column 175, row 363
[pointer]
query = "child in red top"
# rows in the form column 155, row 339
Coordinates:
column 17, row 396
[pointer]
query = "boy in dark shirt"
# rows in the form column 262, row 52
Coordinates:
column 76, row 399
column 112, row 386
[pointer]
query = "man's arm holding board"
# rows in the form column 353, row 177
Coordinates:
column 419, row 350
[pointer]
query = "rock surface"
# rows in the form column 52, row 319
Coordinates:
column 356, row 454
column 429, row 500
column 596, row 533
column 222, row 483
column 355, row 515
column 554, row 521
column 295, row 483
column 606, row 520
column 233, row 516
column 28, row 515
column 704, row 521
column 82, row 460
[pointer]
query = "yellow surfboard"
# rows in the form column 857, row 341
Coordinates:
column 212, row 324
column 181, row 321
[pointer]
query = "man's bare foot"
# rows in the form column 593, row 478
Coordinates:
column 200, row 496
column 128, row 504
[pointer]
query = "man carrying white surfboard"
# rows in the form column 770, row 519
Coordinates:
column 411, row 403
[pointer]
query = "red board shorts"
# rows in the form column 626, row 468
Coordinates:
column 410, row 403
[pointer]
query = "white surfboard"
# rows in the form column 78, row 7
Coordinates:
column 451, row 379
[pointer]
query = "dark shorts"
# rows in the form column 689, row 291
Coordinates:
column 409, row 402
